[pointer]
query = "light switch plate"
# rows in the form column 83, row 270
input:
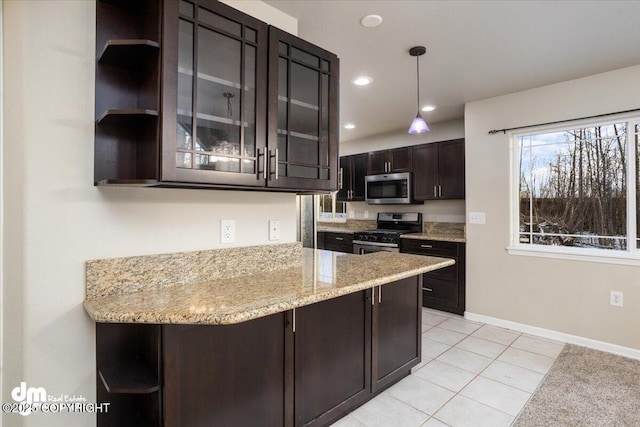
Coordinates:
column 477, row 218
column 274, row 229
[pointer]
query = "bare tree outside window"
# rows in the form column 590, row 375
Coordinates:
column 573, row 187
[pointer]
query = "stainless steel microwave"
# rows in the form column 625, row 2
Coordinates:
column 389, row 189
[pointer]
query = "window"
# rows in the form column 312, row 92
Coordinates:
column 329, row 208
column 577, row 189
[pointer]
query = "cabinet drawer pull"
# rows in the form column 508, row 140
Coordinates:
column 373, row 296
column 277, row 163
column 426, row 246
column 439, row 190
column 435, row 192
column 340, row 172
column 339, row 238
column 380, row 295
column 427, row 289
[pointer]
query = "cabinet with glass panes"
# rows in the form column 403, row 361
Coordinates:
column 243, row 104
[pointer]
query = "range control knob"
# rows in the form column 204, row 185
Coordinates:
column 364, row 237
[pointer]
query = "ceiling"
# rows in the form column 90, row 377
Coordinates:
column 475, row 50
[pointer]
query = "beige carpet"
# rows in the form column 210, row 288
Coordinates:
column 586, row 388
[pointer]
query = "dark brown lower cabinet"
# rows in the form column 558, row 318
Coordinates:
column 332, row 358
column 230, row 375
column 337, row 242
column 304, row 367
column 444, row 289
column 396, row 331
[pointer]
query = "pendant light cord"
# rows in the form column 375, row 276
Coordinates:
column 418, row 79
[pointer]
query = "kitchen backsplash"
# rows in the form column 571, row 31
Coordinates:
column 449, row 211
column 429, row 227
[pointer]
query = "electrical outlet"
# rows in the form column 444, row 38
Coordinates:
column 274, row 229
column 227, row 231
column 616, row 298
column 477, row 217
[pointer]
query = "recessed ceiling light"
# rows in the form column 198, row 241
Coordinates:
column 362, row 81
column 371, row 21
column 349, row 126
column 428, row 108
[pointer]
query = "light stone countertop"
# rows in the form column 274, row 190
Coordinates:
column 335, row 230
column 321, row 275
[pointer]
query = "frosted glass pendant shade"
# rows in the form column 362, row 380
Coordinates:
column 418, row 125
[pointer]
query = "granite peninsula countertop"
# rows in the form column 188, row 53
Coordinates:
column 313, row 276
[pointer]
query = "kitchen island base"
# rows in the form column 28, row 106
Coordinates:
column 307, row 366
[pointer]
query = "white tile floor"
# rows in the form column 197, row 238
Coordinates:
column 470, row 375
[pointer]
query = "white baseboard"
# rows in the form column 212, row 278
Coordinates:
column 555, row 335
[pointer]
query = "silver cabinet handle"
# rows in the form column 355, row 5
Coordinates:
column 439, row 190
column 340, row 172
column 339, row 238
column 264, row 164
column 350, row 194
column 427, row 289
column 277, row 168
column 294, row 320
column 426, row 246
column 373, row 296
column 435, row 194
column 380, row 295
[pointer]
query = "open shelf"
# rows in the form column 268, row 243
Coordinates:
column 120, row 116
column 128, row 53
column 130, row 378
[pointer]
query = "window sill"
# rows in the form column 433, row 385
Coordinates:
column 585, row 255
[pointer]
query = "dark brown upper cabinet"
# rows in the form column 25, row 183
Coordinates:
column 303, row 114
column 214, row 108
column 438, row 170
column 390, row 161
column 204, row 95
column 351, row 175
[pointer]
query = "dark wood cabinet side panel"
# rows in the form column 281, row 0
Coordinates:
column 331, row 358
column 225, row 375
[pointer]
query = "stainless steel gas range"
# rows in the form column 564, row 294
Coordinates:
column 387, row 236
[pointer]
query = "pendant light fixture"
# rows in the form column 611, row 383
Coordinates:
column 418, row 125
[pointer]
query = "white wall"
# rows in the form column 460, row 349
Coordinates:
column 55, row 219
column 571, row 297
column 442, row 131
column 432, row 210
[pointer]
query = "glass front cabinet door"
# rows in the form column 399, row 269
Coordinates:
column 303, row 106
column 215, row 119
column 245, row 104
